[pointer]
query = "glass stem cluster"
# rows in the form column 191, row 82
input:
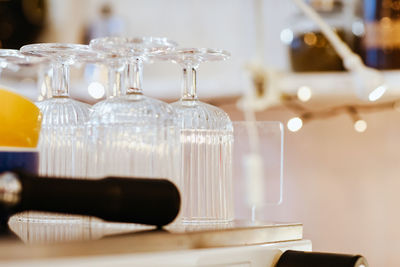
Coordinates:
column 60, row 80
column 189, row 82
column 135, row 76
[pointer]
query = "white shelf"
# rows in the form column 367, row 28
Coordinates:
column 332, row 83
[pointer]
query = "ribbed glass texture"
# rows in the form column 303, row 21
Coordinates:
column 132, row 135
column 61, row 143
column 206, row 156
column 206, row 139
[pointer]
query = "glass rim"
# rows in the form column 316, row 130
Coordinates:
column 63, row 51
column 116, row 47
column 15, row 57
column 181, row 55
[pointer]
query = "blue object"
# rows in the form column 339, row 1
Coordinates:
column 25, row 161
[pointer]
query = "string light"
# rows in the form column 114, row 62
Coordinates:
column 295, row 124
column 304, row 93
column 287, row 36
column 358, row 28
column 377, row 93
column 360, row 126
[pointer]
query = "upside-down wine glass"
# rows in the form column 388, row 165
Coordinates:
column 206, row 140
column 96, row 149
column 130, row 135
column 61, row 143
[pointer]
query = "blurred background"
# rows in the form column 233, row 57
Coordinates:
column 341, row 168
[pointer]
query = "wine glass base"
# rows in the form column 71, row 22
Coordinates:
column 206, row 221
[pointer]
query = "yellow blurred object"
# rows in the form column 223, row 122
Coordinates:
column 20, row 120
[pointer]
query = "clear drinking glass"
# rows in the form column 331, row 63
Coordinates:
column 206, row 139
column 96, row 149
column 61, row 143
column 131, row 134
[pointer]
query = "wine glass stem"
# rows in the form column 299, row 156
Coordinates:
column 60, row 80
column 189, row 83
column 115, row 78
column 40, row 83
column 44, row 82
column 135, row 76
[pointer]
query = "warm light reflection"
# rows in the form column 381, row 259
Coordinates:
column 360, row 126
column 43, row 89
column 385, row 22
column 358, row 28
column 377, row 93
column 287, row 36
column 96, row 90
column 304, row 93
column 295, row 124
column 310, row 38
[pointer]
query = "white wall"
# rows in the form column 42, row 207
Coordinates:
column 224, row 24
column 342, row 185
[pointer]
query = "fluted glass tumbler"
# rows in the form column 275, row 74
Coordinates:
column 61, row 143
column 206, row 139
